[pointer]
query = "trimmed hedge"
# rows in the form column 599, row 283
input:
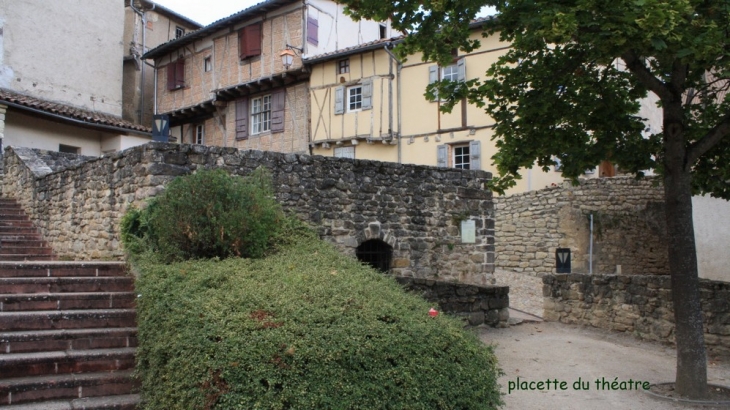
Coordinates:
column 305, row 328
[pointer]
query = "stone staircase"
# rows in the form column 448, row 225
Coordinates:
column 67, row 329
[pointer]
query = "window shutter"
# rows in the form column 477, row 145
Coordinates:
column 339, row 100
column 242, row 118
column 312, row 31
column 442, row 153
column 253, row 39
column 180, row 73
column 242, row 49
column 278, row 101
column 433, row 74
column 461, row 69
column 475, row 155
column 367, row 94
column 171, row 68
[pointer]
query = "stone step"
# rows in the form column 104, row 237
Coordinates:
column 66, row 301
column 22, row 226
column 67, row 339
column 66, row 319
column 14, row 236
column 16, row 365
column 66, row 386
column 11, row 210
column 14, row 285
column 23, row 242
column 122, row 402
column 62, row 269
column 27, row 250
column 14, row 217
column 27, row 257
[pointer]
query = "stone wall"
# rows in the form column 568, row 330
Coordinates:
column 641, row 304
column 415, row 209
column 629, row 227
column 476, row 305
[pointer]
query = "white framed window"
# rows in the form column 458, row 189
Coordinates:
column 199, row 136
column 460, row 156
column 345, row 152
column 450, row 73
column 179, row 31
column 354, row 98
column 260, row 114
column 207, row 64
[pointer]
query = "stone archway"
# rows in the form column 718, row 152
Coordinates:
column 375, row 253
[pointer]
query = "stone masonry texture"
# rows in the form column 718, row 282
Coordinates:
column 640, row 304
column 415, row 209
column 629, row 228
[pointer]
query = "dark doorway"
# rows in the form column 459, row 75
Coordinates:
column 375, row 253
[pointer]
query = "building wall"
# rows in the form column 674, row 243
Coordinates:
column 67, row 51
column 423, row 127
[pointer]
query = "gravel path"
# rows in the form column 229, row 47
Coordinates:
column 525, row 291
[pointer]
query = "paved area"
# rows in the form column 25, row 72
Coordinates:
column 553, row 351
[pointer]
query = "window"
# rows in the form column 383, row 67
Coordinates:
column 354, row 98
column 343, row 66
column 69, row 149
column 345, row 152
column 199, row 137
column 260, row 114
column 207, row 64
column 176, row 74
column 383, row 31
column 249, row 41
column 179, row 32
column 461, row 158
column 312, row 31
column 453, row 72
column 450, row 73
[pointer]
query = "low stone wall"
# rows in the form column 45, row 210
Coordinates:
column 477, row 305
column 641, row 304
column 415, row 209
column 629, row 227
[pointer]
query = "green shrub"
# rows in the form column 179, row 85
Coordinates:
column 204, row 215
column 305, row 328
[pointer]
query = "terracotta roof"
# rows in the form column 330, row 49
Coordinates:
column 354, row 49
column 68, row 112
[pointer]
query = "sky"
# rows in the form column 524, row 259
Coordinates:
column 208, row 11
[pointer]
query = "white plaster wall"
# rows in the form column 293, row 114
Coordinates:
column 25, row 131
column 712, row 236
column 338, row 31
column 64, row 50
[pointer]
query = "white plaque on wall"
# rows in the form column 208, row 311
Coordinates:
column 468, row 231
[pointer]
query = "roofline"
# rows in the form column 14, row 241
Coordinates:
column 229, row 21
column 158, row 6
column 353, row 50
column 65, row 118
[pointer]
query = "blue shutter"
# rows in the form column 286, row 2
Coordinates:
column 339, row 100
column 367, row 94
column 475, row 155
column 442, row 153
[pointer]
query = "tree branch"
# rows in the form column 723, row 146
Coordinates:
column 634, row 64
column 699, row 148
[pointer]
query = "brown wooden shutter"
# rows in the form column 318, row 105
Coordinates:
column 252, row 35
column 180, row 73
column 242, row 118
column 171, row 68
column 242, row 49
column 278, row 102
column 312, row 31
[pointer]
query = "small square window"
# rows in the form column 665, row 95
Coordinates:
column 207, row 64
column 69, row 149
column 343, row 66
column 179, row 32
column 345, row 152
column 199, row 134
column 383, row 31
column 450, row 73
column 461, row 159
column 354, row 98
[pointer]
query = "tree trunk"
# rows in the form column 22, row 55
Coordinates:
column 691, row 379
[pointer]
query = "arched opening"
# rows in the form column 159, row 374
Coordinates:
column 375, row 253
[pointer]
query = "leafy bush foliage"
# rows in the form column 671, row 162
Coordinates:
column 304, row 328
column 204, row 215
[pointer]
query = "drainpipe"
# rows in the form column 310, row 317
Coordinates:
column 390, row 100
column 144, row 45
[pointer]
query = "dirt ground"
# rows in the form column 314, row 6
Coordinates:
column 553, row 351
